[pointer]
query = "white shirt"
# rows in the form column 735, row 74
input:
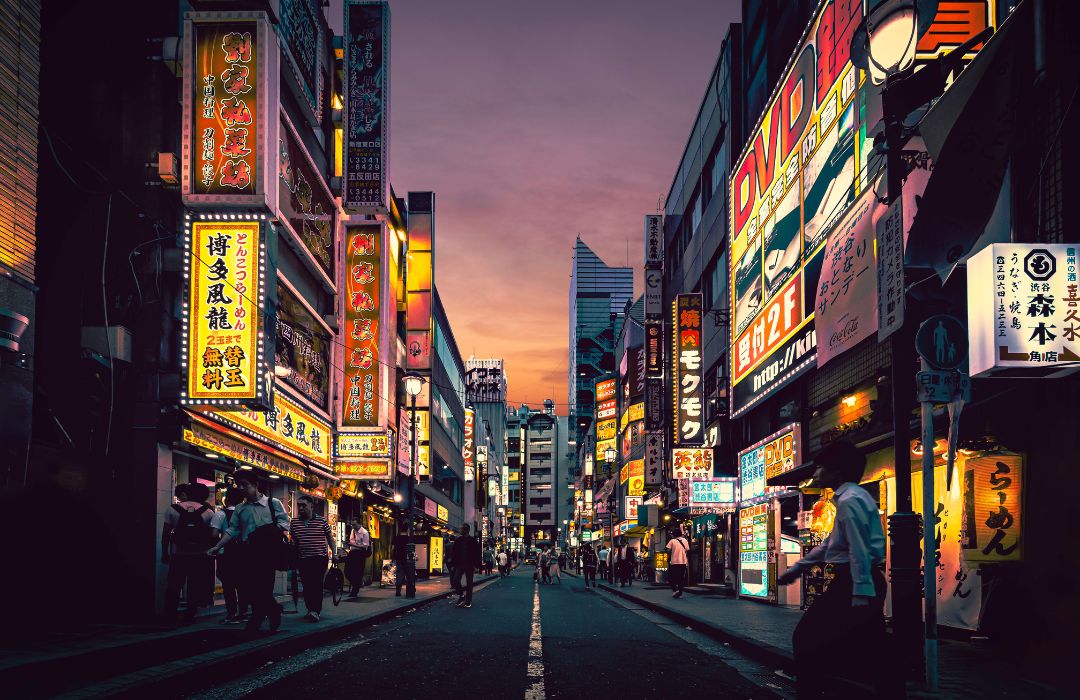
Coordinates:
column 604, row 555
column 360, row 538
column 856, row 538
column 502, row 558
column 219, row 521
column 678, row 548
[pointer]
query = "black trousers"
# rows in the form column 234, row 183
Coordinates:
column 312, row 574
column 257, row 587
column 193, row 569
column 677, row 577
column 590, row 575
column 355, row 563
column 228, row 572
column 455, row 581
column 833, row 636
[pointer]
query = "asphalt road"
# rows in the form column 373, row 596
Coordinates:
column 518, row 640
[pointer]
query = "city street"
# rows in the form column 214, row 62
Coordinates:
column 590, row 645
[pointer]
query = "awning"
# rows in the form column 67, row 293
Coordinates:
column 969, row 133
column 206, row 435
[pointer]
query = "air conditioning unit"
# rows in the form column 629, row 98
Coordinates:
column 113, row 342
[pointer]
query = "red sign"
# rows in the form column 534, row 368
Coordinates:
column 781, row 316
column 688, row 392
column 363, row 276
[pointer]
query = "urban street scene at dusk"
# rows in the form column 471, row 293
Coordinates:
column 525, row 350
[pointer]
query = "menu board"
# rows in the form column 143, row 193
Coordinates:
column 756, row 573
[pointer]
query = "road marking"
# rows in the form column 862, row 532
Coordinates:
column 535, row 668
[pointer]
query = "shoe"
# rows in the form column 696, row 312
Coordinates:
column 467, row 605
column 275, row 618
column 314, row 616
column 228, row 619
column 677, row 595
column 461, row 604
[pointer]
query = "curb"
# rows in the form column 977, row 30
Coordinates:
column 759, row 651
column 225, row 664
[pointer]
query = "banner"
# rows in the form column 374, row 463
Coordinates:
column 889, row 237
column 847, row 295
column 365, row 181
column 305, row 203
column 468, row 449
column 993, row 508
column 302, row 346
column 222, row 342
column 361, row 390
column 286, row 426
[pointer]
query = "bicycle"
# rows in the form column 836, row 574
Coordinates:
column 334, row 581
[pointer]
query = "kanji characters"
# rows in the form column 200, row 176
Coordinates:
column 218, row 319
column 234, row 111
column 235, row 145
column 235, row 173
column 237, row 47
column 234, row 80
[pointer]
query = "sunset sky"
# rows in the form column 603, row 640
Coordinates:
column 534, row 122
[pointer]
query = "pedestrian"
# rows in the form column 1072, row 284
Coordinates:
column 556, row 562
column 466, row 557
column 229, row 568
column 542, row 565
column 185, row 536
column 602, row 561
column 677, row 548
column 843, row 632
column 312, row 539
column 258, row 524
column 404, row 575
column 489, row 559
column 504, row 564
column 630, row 566
column 356, row 559
column 589, row 560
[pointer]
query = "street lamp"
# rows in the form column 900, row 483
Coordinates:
column 414, row 384
column 892, row 32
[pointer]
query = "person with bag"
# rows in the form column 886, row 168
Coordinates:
column 465, row 557
column 228, row 566
column 184, row 538
column 356, row 559
column 311, row 537
column 259, row 524
column 590, row 561
column 678, row 548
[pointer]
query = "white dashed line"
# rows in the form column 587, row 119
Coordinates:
column 535, row 672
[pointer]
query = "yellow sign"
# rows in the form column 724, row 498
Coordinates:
column 514, row 475
column 637, row 486
column 375, row 469
column 636, row 412
column 363, row 446
column 633, row 468
column 423, row 444
column 995, row 496
column 199, row 436
column 222, row 343
column 435, row 554
column 605, row 430
column 441, row 513
column 602, row 447
column 285, row 426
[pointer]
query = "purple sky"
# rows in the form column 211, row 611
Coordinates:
column 533, row 122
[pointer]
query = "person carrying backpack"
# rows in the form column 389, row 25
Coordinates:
column 184, row 538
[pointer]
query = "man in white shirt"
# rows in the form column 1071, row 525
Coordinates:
column 356, row 559
column 843, row 632
column 602, row 556
column 678, row 547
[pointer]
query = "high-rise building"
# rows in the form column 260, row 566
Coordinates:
column 545, row 461
column 598, row 296
column 485, row 391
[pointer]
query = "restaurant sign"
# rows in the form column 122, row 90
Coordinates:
column 688, row 392
column 363, row 446
column 365, row 183
column 692, row 463
column 305, row 203
column 362, row 391
column 285, row 426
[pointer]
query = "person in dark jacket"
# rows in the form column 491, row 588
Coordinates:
column 465, row 557
column 590, row 560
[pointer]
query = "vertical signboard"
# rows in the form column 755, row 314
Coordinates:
column 365, row 181
column 654, row 294
column 889, row 237
column 606, row 418
column 1023, row 303
column 778, row 453
column 654, row 348
column 688, row 391
column 222, row 345
column 361, row 391
column 468, row 449
column 419, row 281
column 302, row 346
column 302, row 43
column 993, row 503
column 304, row 202
column 654, row 240
column 755, row 571
column 230, row 69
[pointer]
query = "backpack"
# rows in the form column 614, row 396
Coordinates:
column 192, row 532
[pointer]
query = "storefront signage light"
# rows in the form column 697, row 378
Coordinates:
column 778, row 453
column 718, row 491
column 222, row 343
column 688, row 393
column 366, row 446
column 199, row 436
column 1024, row 309
column 365, row 183
column 302, row 347
column 442, row 513
column 285, row 426
column 468, row 449
column 306, row 205
column 755, row 571
column 362, row 392
column 692, row 463
column 231, row 78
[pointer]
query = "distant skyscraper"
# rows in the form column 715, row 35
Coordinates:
column 598, row 296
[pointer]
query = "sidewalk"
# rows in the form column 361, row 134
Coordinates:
column 113, row 660
column 763, row 632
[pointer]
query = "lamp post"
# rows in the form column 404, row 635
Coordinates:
column 885, row 47
column 414, row 384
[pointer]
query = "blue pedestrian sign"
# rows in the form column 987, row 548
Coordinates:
column 942, row 341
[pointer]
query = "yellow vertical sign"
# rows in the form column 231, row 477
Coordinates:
column 435, row 554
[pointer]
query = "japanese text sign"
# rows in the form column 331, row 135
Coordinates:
column 778, row 453
column 993, row 505
column 718, row 491
column 367, row 106
column 630, row 507
column 307, row 208
column 654, row 348
column 301, row 30
column 889, row 236
column 468, row 449
column 692, row 463
column 375, row 470
column 654, row 240
column 222, row 342
column 846, row 303
column 363, row 446
column 1024, row 309
column 689, row 393
column 362, row 391
column 232, row 62
column 605, row 390
column 286, row 426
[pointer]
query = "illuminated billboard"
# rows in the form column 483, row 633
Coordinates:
column 361, row 392
column 365, row 181
column 420, row 280
column 230, row 69
column 305, row 203
column 222, row 341
column 302, row 347
column 692, row 463
column 363, row 446
column 688, row 392
column 756, row 574
column 778, row 453
column 287, row 426
column 468, row 449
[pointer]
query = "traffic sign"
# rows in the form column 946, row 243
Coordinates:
column 942, row 341
column 936, row 386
